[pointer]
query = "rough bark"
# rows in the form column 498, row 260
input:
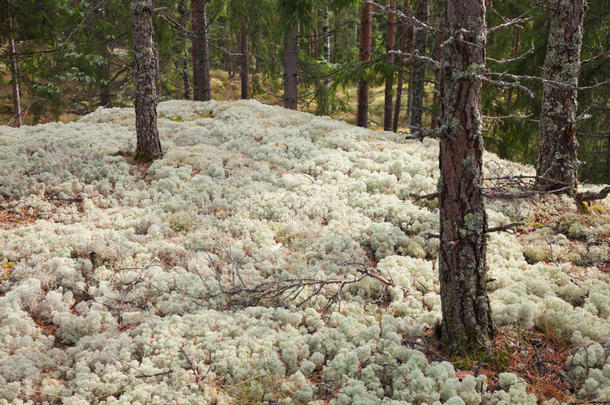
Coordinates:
column 149, row 146
column 244, row 65
column 467, row 323
column 291, row 62
column 201, row 56
column 390, row 39
column 557, row 162
column 366, row 31
column 419, row 67
column 14, row 68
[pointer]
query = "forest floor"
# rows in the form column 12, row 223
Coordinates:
column 273, row 256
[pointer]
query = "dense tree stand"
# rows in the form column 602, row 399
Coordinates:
column 557, row 164
column 149, row 146
column 467, row 323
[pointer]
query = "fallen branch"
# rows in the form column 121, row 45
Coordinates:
column 155, row 374
column 198, row 377
column 592, row 195
column 430, row 196
column 524, row 194
column 504, row 227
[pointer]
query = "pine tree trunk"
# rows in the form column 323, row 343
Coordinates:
column 201, row 57
column 184, row 18
column 557, row 162
column 403, row 47
column 244, row 69
column 366, row 30
column 410, row 81
column 466, row 323
column 14, row 68
column 149, row 146
column 389, row 58
column 291, row 63
column 419, row 67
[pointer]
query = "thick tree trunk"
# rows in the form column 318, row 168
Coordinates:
column 557, row 162
column 366, row 31
column 244, row 68
column 14, row 68
column 403, row 47
column 149, row 146
column 291, row 64
column 390, row 39
column 467, row 322
column 201, row 57
column 419, row 67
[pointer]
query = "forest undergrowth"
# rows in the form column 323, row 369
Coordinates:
column 274, row 256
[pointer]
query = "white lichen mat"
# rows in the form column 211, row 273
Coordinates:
column 247, row 194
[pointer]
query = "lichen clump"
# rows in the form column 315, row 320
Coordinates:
column 105, row 289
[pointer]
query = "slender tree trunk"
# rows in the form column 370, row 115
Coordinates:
column 149, row 146
column 106, row 92
column 557, row 162
column 403, row 47
column 467, row 323
column 410, row 81
column 229, row 53
column 244, row 70
column 184, row 18
column 390, row 38
column 14, row 68
column 419, row 67
column 201, row 57
column 291, row 64
column 195, row 47
column 515, row 50
column 366, row 31
column 436, row 114
column 326, row 34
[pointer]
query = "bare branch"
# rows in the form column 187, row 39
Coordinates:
column 407, row 56
column 430, row 196
column 505, row 227
column 406, row 18
column 504, row 117
column 505, row 84
column 524, row 194
column 198, row 377
column 155, row 374
column 514, row 21
column 516, row 58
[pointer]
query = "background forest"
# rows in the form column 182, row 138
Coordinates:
column 64, row 58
